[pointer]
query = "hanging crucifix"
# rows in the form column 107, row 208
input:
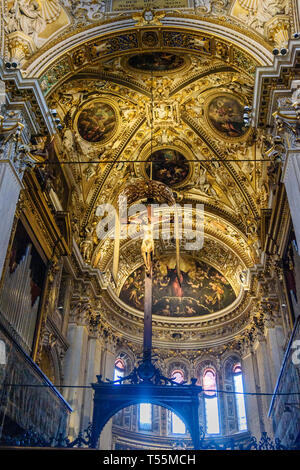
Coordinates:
column 147, row 250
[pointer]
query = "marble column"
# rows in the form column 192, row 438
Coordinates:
column 275, row 344
column 93, row 368
column 252, row 402
column 66, row 304
column 264, row 377
column 74, row 373
column 108, row 372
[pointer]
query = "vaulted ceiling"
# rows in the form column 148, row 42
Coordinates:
column 172, row 89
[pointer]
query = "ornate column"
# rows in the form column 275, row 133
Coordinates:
column 263, row 378
column 75, row 362
column 251, row 384
column 286, row 146
column 66, row 304
column 93, row 367
column 291, row 179
column 275, row 343
column 108, row 366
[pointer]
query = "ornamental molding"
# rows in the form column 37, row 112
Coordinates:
column 250, row 43
column 187, row 334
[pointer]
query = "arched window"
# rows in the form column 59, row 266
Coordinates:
column 239, row 397
column 211, row 402
column 119, row 369
column 145, row 416
column 2, row 353
column 178, row 376
column 177, row 425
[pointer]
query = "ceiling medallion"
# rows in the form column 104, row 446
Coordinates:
column 168, row 166
column 97, row 121
column 150, row 38
column 224, row 114
column 156, row 62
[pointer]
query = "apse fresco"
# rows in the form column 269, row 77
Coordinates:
column 225, row 114
column 96, row 121
column 156, row 62
column 201, row 290
column 169, row 166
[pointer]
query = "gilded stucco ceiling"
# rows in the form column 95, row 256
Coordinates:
column 106, row 71
column 185, row 93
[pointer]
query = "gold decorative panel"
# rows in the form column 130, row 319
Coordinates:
column 127, row 5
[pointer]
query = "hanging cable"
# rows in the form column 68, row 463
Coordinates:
column 201, row 391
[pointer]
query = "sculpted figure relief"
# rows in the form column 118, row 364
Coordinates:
column 26, row 16
column 86, row 246
column 203, row 4
column 31, row 18
column 261, row 11
column 85, row 9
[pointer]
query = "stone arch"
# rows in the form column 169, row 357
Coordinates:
column 128, row 359
column 228, row 364
column 206, row 363
column 181, row 364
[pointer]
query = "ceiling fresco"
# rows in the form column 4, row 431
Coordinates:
column 96, row 121
column 168, row 166
column 158, row 94
column 156, row 62
column 200, row 290
column 225, row 114
column 165, row 104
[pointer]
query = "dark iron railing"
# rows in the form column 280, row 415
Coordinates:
column 31, row 439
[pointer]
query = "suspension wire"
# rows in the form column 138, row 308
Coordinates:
column 116, row 162
column 204, row 391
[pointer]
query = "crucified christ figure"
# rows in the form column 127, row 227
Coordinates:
column 147, row 247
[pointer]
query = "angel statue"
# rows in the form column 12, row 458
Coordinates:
column 86, row 246
column 31, row 18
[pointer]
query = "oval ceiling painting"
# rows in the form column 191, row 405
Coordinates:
column 156, row 62
column 225, row 114
column 96, row 122
column 169, row 166
column 201, row 290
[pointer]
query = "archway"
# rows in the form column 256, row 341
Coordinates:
column 145, row 426
column 181, row 399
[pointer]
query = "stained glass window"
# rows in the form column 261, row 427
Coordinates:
column 119, row 369
column 239, row 397
column 178, row 376
column 211, row 402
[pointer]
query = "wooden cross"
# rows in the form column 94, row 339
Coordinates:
column 148, row 258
